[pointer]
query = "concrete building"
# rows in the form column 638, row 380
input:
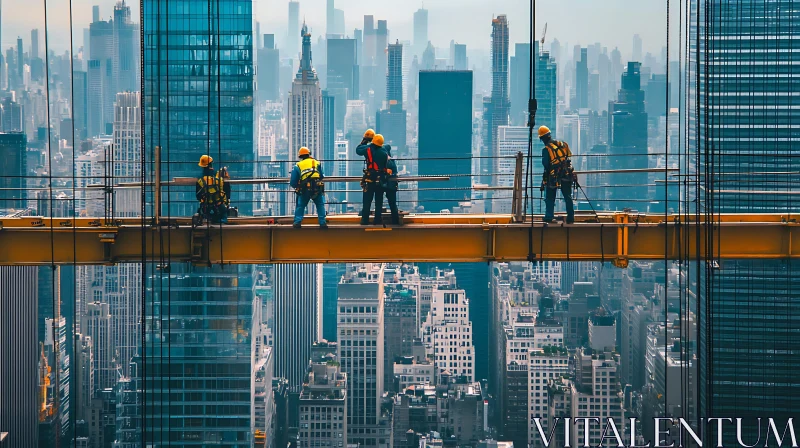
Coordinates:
column 323, row 407
column 602, row 331
column 545, row 365
column 447, row 333
column 361, row 350
column 596, row 393
column 97, row 325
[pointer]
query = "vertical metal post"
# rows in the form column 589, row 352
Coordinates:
column 157, row 192
column 516, row 206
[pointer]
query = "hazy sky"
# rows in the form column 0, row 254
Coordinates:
column 611, row 22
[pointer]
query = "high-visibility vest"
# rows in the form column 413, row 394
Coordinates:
column 559, row 155
column 308, row 168
column 213, row 188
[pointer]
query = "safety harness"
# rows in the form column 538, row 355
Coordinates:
column 310, row 181
column 213, row 200
column 372, row 171
column 560, row 164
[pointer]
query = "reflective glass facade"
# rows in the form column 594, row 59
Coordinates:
column 198, row 97
column 747, row 128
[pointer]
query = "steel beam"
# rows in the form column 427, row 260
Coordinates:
column 615, row 237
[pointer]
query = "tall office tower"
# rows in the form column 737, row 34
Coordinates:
column 400, row 321
column 13, row 166
column 330, row 18
column 297, row 319
column 305, row 104
column 420, row 31
column 361, row 345
column 342, row 76
column 447, row 333
column 292, row 49
column 460, row 61
column 215, row 303
column 94, row 98
column 370, row 44
column 520, row 84
column 627, row 133
column 636, row 55
column 381, row 63
column 129, row 409
column 445, row 114
column 55, row 349
column 328, row 127
column 546, row 89
column 500, row 104
column 332, row 272
column 19, row 354
column 268, row 76
column 394, row 76
column 125, row 60
column 79, row 106
column 323, row 406
column 581, row 82
column 97, row 326
column 747, row 314
column 34, row 44
column 20, row 60
column 127, row 151
column 391, row 122
column 596, row 384
column 101, row 79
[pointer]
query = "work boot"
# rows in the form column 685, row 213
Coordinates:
column 296, row 225
column 570, row 220
column 323, row 226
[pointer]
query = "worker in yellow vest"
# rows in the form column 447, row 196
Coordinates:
column 558, row 174
column 307, row 183
column 212, row 192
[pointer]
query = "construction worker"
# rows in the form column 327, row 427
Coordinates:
column 212, row 193
column 390, row 185
column 306, row 180
column 375, row 159
column 558, row 174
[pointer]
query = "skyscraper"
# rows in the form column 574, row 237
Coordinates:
column 420, row 31
column 636, row 54
column 748, row 309
column 361, row 348
column 394, row 76
column 520, row 84
column 305, row 104
column 546, row 90
column 342, row 75
column 293, row 29
column 97, row 326
column 298, row 319
column 500, row 104
column 199, row 318
column 19, row 354
column 460, row 61
column 125, row 60
column 447, row 333
column 381, row 63
column 13, row 166
column 445, row 115
column 269, row 64
column 581, row 82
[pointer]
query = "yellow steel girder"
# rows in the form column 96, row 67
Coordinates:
column 615, row 237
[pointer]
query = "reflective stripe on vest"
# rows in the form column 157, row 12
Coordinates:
column 308, row 168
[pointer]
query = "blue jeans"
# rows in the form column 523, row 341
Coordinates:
column 302, row 202
column 550, row 201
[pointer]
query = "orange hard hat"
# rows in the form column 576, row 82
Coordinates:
column 369, row 134
column 543, row 130
column 378, row 140
column 303, row 152
column 205, row 161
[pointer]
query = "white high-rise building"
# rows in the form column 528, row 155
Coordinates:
column 545, row 365
column 447, row 333
column 97, row 324
column 510, row 141
column 305, row 104
column 596, row 394
column 361, row 350
column 323, row 407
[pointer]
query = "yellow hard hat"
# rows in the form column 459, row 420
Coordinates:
column 378, row 140
column 369, row 134
column 543, row 130
column 303, row 152
column 205, row 161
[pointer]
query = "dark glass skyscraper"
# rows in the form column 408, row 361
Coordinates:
column 445, row 131
column 198, row 99
column 745, row 131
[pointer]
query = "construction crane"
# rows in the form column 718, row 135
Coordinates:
column 541, row 41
